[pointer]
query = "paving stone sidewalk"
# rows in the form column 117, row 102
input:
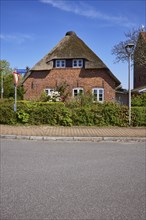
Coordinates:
column 54, row 131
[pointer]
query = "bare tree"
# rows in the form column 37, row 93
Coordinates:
column 119, row 49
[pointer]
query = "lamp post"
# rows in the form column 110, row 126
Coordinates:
column 2, row 83
column 129, row 50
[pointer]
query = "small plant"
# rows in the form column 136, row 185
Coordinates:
column 62, row 89
column 55, row 97
column 44, row 97
column 80, row 100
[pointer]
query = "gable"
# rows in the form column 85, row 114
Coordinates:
column 140, row 51
column 141, row 43
column 143, row 34
column 69, row 48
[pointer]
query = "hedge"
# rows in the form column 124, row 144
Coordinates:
column 139, row 116
column 38, row 113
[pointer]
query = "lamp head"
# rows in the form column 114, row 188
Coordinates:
column 129, row 48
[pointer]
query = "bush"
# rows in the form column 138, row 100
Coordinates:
column 107, row 114
column 50, row 113
column 82, row 116
column 80, row 101
column 139, row 110
column 23, row 117
column 139, row 116
column 114, row 114
column 139, row 100
column 7, row 114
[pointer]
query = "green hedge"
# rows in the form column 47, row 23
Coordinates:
column 139, row 100
column 139, row 116
column 38, row 113
column 7, row 114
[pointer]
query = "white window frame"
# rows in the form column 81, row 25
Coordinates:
column 78, row 91
column 60, row 63
column 99, row 94
column 49, row 91
column 77, row 63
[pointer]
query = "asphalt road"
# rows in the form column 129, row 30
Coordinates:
column 72, row 180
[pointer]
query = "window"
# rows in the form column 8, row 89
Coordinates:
column 78, row 63
column 77, row 91
column 98, row 94
column 49, row 91
column 60, row 64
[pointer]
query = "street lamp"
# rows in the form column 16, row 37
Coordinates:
column 129, row 50
column 2, row 83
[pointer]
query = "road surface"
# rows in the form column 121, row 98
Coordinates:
column 72, row 180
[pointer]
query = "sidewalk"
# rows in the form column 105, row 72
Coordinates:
column 72, row 133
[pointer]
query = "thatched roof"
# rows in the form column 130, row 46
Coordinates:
column 70, row 47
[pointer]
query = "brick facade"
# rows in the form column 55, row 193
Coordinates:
column 72, row 62
column 140, row 61
column 87, row 79
column 139, row 75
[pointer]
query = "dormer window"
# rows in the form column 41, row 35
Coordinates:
column 60, row 64
column 77, row 63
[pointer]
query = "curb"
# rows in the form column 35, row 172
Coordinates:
column 57, row 138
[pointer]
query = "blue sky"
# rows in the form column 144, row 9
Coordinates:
column 31, row 28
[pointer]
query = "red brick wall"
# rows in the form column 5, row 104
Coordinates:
column 140, row 61
column 88, row 79
column 139, row 75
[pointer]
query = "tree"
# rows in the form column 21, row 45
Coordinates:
column 119, row 49
column 6, row 79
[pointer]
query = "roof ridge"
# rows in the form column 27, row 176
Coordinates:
column 72, row 47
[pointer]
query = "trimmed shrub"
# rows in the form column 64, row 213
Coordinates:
column 139, row 116
column 114, row 114
column 7, row 114
column 49, row 113
column 139, row 100
column 82, row 116
column 107, row 114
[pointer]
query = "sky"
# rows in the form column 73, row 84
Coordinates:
column 29, row 29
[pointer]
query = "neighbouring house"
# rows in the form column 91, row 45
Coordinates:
column 139, row 71
column 140, row 64
column 122, row 96
column 72, row 62
column 139, row 90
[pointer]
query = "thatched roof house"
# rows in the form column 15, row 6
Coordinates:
column 71, row 61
